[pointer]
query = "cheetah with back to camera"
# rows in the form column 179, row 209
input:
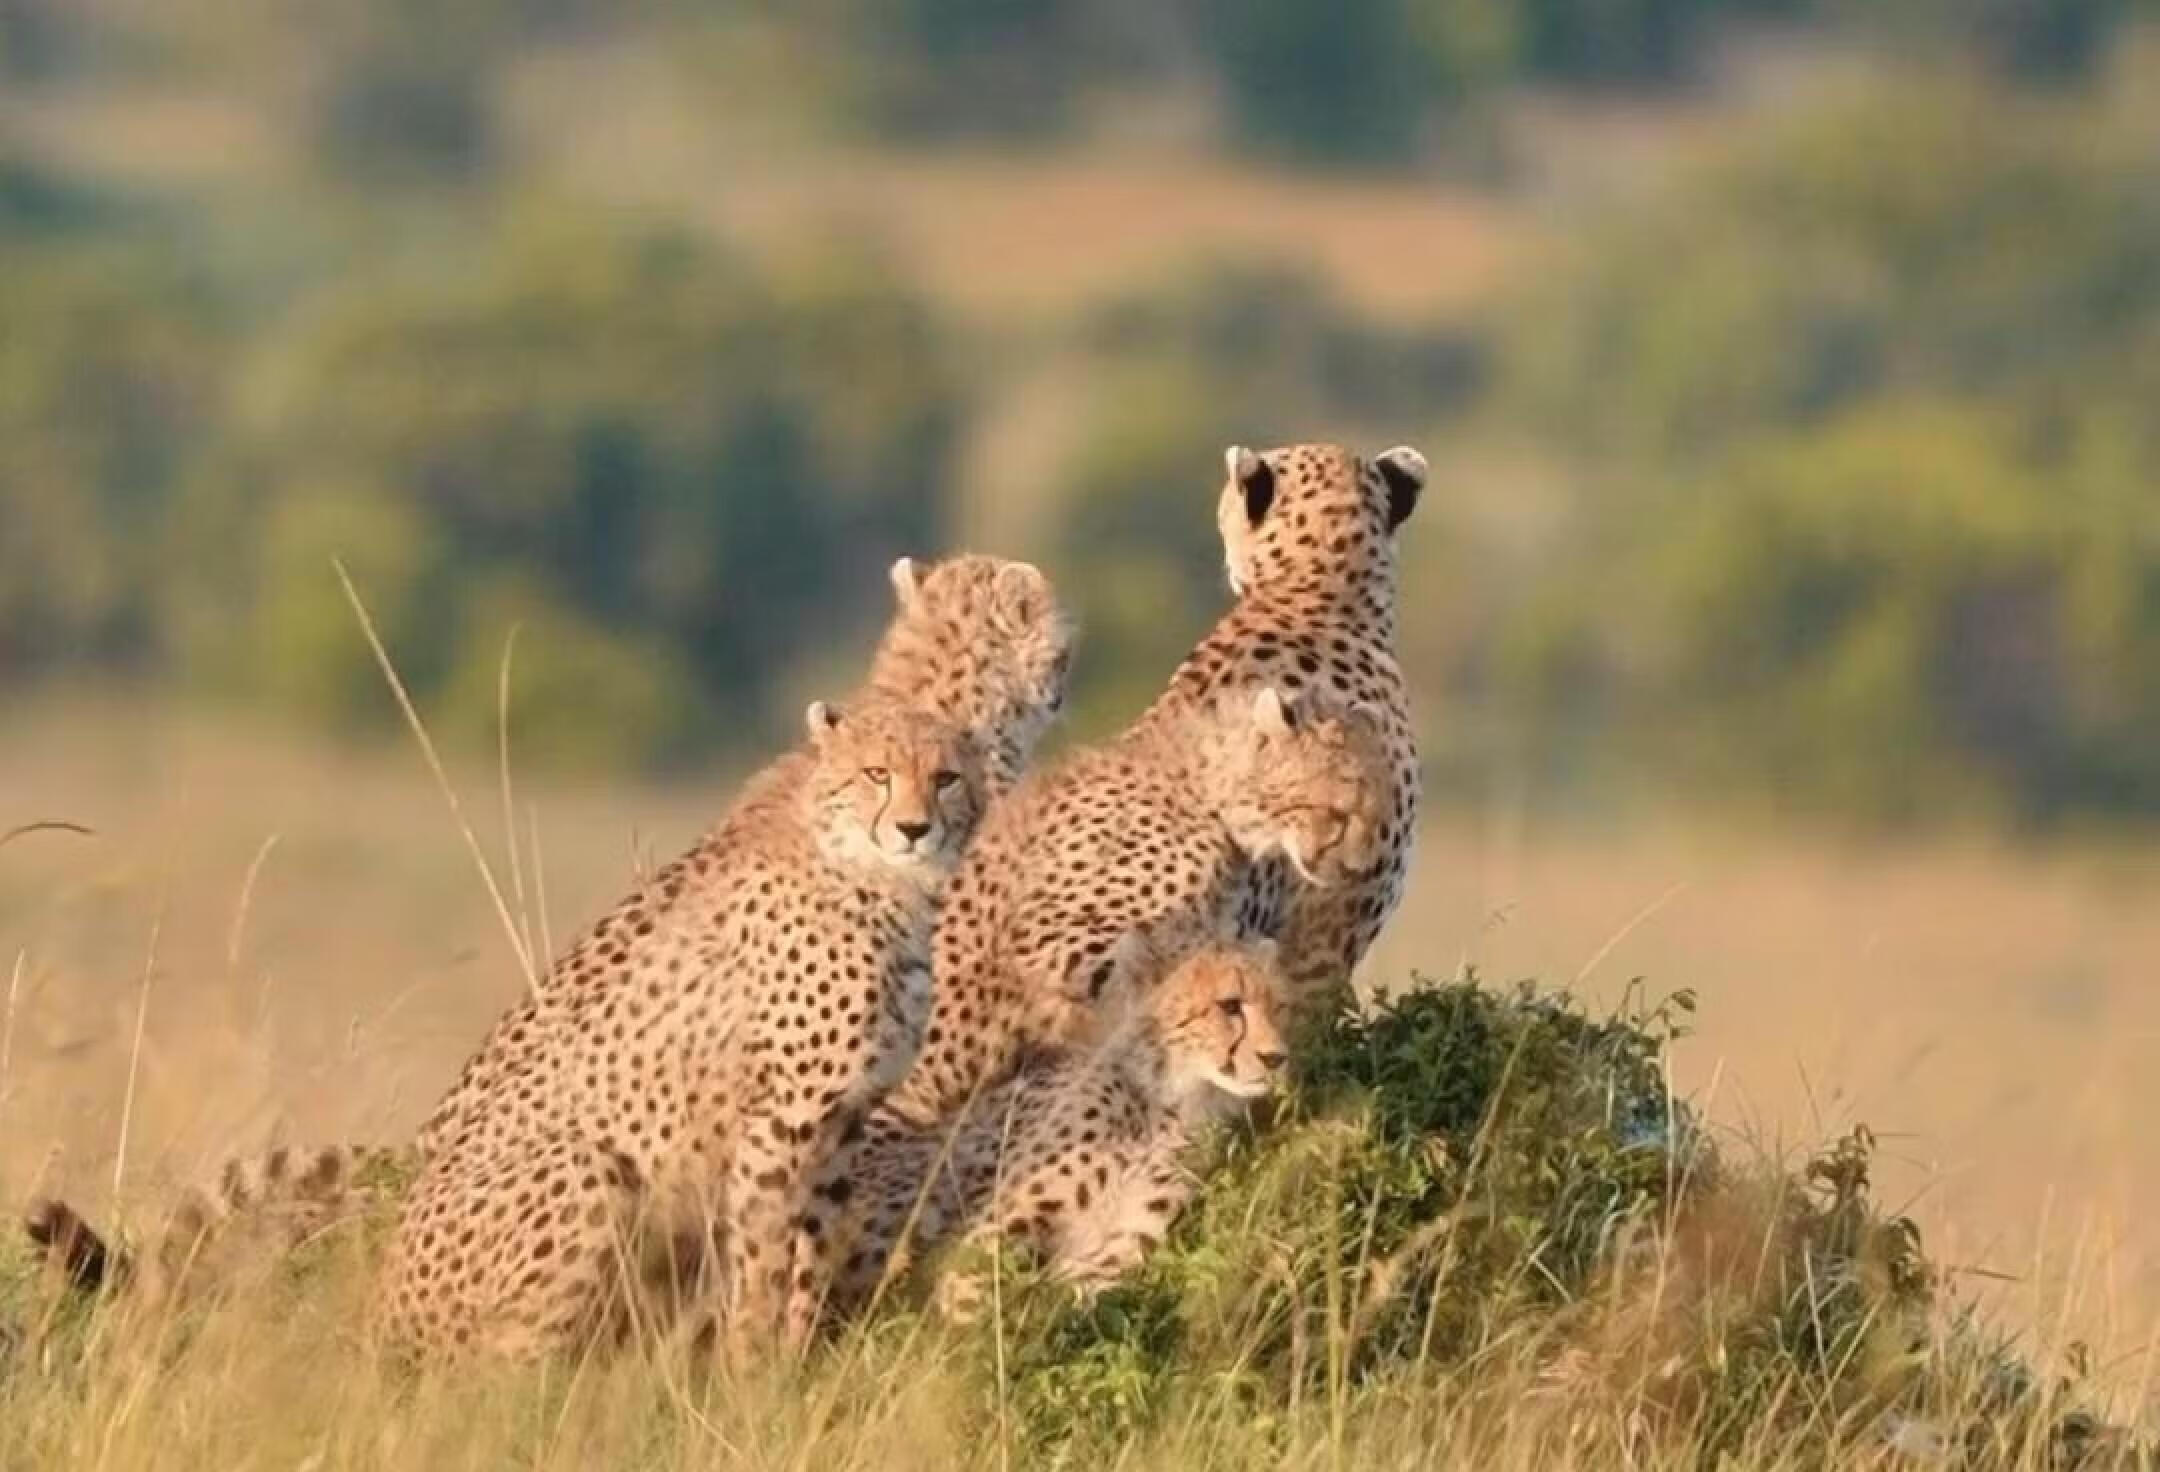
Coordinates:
column 1309, row 542
column 727, row 1057
column 1083, row 1158
column 980, row 640
column 1169, row 834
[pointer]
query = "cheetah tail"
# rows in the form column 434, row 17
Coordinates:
column 72, row 1247
column 304, row 1187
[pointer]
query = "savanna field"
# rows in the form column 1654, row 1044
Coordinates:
column 1757, row 1074
column 307, row 952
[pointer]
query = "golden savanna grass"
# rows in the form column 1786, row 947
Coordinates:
column 260, row 939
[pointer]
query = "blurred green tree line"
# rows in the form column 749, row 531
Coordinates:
column 1850, row 440
column 396, row 87
column 673, row 470
column 1861, row 432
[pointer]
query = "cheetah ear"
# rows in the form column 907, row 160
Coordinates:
column 1254, row 478
column 1404, row 470
column 821, row 720
column 906, row 582
column 1265, row 950
column 1023, row 594
column 1271, row 718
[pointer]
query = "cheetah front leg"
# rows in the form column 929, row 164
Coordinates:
column 785, row 1189
column 1325, row 934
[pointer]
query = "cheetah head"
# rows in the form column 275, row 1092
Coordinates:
column 1219, row 1014
column 1006, row 619
column 892, row 787
column 1314, row 785
column 1291, row 509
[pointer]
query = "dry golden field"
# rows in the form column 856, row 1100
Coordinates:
column 308, row 950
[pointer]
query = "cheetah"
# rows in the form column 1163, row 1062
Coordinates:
column 721, row 1054
column 980, row 641
column 1169, row 832
column 1309, row 545
column 1083, row 1157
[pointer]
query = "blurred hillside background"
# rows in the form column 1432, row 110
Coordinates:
column 1785, row 607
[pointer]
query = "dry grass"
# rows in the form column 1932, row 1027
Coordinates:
column 1987, row 1011
column 324, row 957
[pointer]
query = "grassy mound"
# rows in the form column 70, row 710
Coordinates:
column 1479, row 1231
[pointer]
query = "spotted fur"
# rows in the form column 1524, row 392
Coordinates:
column 979, row 641
column 1181, row 831
column 709, row 1053
column 284, row 1196
column 1309, row 541
column 1085, row 1157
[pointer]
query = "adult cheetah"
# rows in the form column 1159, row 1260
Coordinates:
column 1171, row 833
column 981, row 641
column 1309, row 544
column 1084, row 1157
column 718, row 1051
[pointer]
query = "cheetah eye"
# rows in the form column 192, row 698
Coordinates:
column 879, row 776
column 1232, row 1007
column 944, row 781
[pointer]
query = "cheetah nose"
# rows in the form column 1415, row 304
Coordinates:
column 1273, row 1059
column 913, row 831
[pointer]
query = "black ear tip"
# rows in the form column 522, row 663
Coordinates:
column 1404, row 471
column 1255, row 479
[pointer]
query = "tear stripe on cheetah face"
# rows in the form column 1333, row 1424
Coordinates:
column 1217, row 1018
column 891, row 788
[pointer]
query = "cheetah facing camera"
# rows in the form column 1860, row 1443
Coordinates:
column 981, row 641
column 742, row 1017
column 1083, row 1158
column 1169, row 834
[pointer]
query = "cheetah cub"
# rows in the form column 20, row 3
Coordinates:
column 1168, row 833
column 1084, row 1157
column 702, row 1092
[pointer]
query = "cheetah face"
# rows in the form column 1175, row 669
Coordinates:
column 1011, row 615
column 894, row 788
column 1286, row 509
column 1321, row 786
column 1220, row 1013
